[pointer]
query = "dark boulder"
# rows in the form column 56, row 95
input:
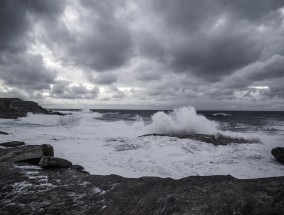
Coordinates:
column 77, row 167
column 47, row 150
column 278, row 153
column 25, row 153
column 12, row 144
column 53, row 162
column 4, row 133
column 12, row 108
column 218, row 139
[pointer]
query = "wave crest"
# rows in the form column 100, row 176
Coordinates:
column 181, row 120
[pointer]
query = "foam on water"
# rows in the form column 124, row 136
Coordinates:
column 181, row 120
column 104, row 147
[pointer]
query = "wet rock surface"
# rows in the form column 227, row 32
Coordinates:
column 29, row 189
column 12, row 144
column 13, row 108
column 24, row 153
column 52, row 162
column 3, row 133
column 278, row 153
column 207, row 138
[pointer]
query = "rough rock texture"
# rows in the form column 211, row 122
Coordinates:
column 77, row 167
column 12, row 144
column 25, row 153
column 12, row 108
column 216, row 140
column 52, row 162
column 28, row 189
column 278, row 153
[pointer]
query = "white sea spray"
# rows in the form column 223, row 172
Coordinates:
column 181, row 120
column 92, row 142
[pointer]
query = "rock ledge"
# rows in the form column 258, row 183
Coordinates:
column 29, row 189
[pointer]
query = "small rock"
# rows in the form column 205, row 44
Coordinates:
column 77, row 167
column 4, row 133
column 278, row 153
column 12, row 144
column 47, row 150
column 53, row 162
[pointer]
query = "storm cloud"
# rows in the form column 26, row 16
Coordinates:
column 158, row 53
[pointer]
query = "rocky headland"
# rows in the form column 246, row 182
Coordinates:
column 13, row 108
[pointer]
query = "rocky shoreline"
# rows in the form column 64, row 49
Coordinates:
column 33, row 181
column 216, row 140
column 13, row 108
column 26, row 188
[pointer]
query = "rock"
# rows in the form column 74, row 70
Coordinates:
column 218, row 139
column 68, row 191
column 77, row 167
column 28, row 153
column 278, row 153
column 47, row 150
column 12, row 108
column 12, row 144
column 4, row 133
column 53, row 162
column 32, row 190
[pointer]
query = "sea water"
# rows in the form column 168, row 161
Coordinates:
column 107, row 141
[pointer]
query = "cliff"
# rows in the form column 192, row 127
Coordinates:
column 13, row 108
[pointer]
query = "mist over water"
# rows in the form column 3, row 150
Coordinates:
column 107, row 142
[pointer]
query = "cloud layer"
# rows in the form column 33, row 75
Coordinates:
column 152, row 53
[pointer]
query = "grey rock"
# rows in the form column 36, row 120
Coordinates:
column 77, row 167
column 68, row 191
column 53, row 162
column 207, row 138
column 47, row 150
column 4, row 133
column 32, row 190
column 278, row 153
column 13, row 108
column 12, row 144
column 28, row 153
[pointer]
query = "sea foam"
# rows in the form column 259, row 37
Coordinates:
column 181, row 120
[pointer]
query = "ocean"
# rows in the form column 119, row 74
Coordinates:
column 107, row 141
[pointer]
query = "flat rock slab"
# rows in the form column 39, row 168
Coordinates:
column 220, row 140
column 12, row 144
column 24, row 153
column 32, row 190
column 52, row 162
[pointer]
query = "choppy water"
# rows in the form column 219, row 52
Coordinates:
column 107, row 142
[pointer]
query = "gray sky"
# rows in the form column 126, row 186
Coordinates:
column 222, row 54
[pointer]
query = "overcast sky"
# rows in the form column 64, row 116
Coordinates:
column 221, row 54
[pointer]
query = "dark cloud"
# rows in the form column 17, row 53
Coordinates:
column 100, row 41
column 104, row 78
column 114, row 92
column 214, row 56
column 18, row 67
column 212, row 40
column 165, row 51
column 64, row 90
column 26, row 72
